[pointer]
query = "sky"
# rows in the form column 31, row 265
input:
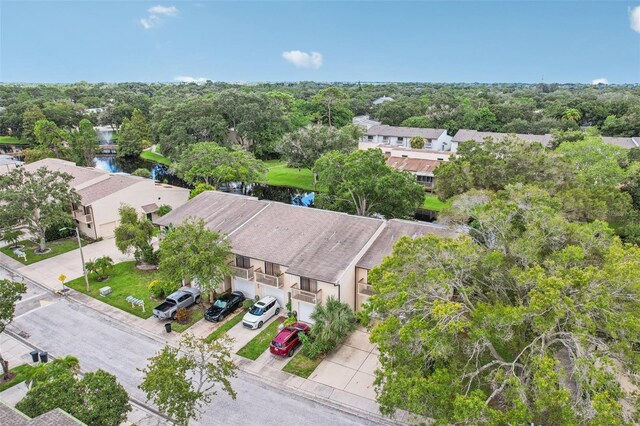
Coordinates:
column 245, row 41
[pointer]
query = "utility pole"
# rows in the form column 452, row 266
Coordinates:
column 84, row 269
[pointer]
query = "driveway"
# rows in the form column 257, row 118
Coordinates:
column 351, row 366
column 47, row 271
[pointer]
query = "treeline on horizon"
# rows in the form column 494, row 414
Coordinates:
column 263, row 113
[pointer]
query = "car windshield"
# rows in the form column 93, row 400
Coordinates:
column 277, row 345
column 256, row 310
column 220, row 303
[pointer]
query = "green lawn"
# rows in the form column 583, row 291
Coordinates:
column 20, row 377
column 152, row 156
column 10, row 140
column 197, row 313
column 260, row 343
column 125, row 280
column 57, row 247
column 279, row 174
column 302, row 366
column 218, row 332
column 431, row 202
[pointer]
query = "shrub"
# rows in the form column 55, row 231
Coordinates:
column 248, row 303
column 163, row 209
column 54, row 232
column 142, row 173
column 160, row 289
column 183, row 316
column 332, row 323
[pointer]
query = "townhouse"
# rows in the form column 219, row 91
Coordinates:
column 102, row 193
column 435, row 139
column 296, row 254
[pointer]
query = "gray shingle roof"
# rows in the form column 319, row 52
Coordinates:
column 80, row 174
column 395, row 229
column 413, row 164
column 627, row 143
column 221, row 212
column 56, row 417
column 463, row 135
column 404, row 132
column 103, row 188
column 312, row 243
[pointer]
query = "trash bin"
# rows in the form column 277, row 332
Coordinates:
column 44, row 357
column 167, row 327
column 34, row 356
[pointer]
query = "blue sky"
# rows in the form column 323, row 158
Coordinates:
column 453, row 41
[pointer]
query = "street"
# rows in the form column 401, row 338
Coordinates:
column 63, row 327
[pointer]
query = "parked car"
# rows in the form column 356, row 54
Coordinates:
column 223, row 306
column 261, row 312
column 183, row 298
column 288, row 340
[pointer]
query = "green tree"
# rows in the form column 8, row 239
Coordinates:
column 572, row 114
column 182, row 381
column 36, row 200
column 50, row 140
column 303, row 147
column 362, row 183
column 209, row 163
column 393, row 113
column 10, row 293
column 417, row 121
column 84, row 144
column 332, row 323
column 192, row 252
column 12, row 236
column 100, row 266
column 199, row 189
column 134, row 135
column 30, row 117
column 511, row 324
column 417, row 142
column 163, row 210
column 96, row 399
column 330, row 99
column 141, row 172
column 134, row 235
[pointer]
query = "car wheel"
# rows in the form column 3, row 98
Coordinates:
column 173, row 315
column 277, row 311
column 197, row 300
column 290, row 353
column 260, row 324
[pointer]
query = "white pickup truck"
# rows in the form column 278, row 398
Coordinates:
column 182, row 298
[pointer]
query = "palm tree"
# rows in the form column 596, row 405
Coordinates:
column 333, row 321
column 102, row 267
column 572, row 114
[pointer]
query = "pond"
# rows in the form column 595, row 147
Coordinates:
column 159, row 172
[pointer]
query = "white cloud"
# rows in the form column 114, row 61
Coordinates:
column 154, row 19
column 163, row 10
column 189, row 79
column 600, row 81
column 303, row 59
column 634, row 16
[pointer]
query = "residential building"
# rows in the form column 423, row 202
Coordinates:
column 627, row 143
column 57, row 417
column 102, row 193
column 297, row 254
column 383, row 246
column 364, row 121
column 382, row 100
column 421, row 168
column 435, row 139
column 464, row 135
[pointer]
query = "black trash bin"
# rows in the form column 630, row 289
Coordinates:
column 44, row 357
column 167, row 327
column 34, row 356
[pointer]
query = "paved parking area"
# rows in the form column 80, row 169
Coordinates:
column 242, row 335
column 350, row 367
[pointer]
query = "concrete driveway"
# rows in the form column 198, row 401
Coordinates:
column 47, row 271
column 351, row 366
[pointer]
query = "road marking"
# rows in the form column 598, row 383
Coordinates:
column 32, row 297
column 42, row 305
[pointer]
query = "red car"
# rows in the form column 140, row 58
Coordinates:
column 287, row 341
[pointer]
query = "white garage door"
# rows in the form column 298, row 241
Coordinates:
column 248, row 288
column 267, row 290
column 304, row 312
column 107, row 229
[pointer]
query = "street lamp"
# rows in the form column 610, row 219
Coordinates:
column 84, row 269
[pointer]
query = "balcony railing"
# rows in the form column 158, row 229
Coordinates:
column 306, row 296
column 364, row 288
column 270, row 280
column 81, row 217
column 244, row 273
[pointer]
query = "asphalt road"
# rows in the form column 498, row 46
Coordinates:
column 62, row 327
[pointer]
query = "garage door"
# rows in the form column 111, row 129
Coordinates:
column 248, row 288
column 278, row 293
column 107, row 229
column 304, row 312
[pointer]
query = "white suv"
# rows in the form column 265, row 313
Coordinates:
column 261, row 312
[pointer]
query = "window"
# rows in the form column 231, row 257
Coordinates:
column 400, row 139
column 243, row 262
column 425, row 180
column 183, row 298
column 370, row 137
column 271, row 269
column 308, row 284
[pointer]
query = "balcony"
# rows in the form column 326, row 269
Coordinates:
column 276, row 281
column 244, row 273
column 306, row 296
column 364, row 288
column 81, row 217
